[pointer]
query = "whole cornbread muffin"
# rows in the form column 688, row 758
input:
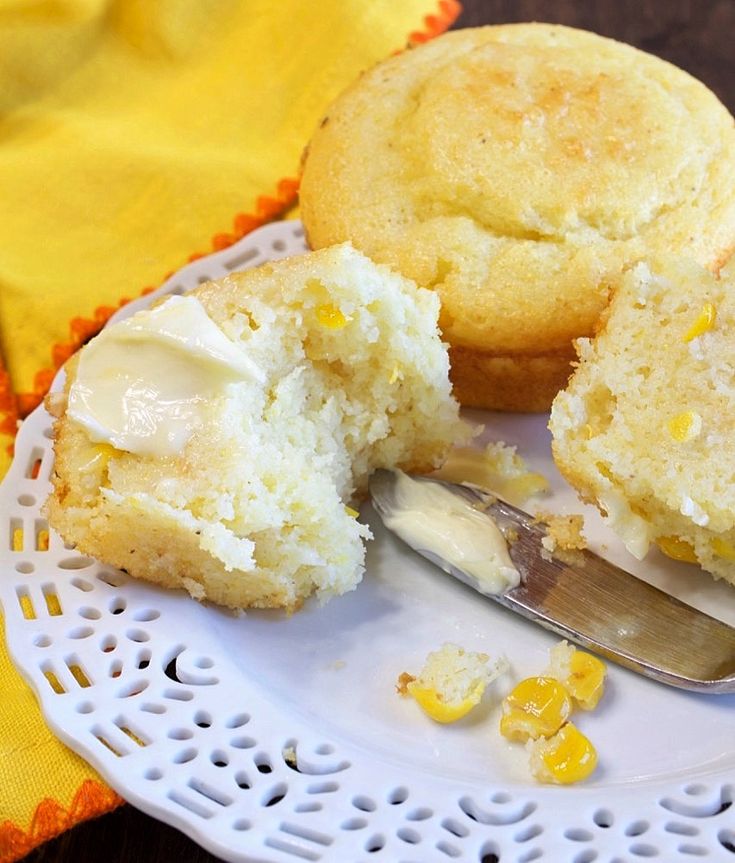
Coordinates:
column 215, row 441
column 644, row 428
column 518, row 170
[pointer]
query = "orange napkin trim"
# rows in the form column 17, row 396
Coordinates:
column 435, row 25
column 50, row 819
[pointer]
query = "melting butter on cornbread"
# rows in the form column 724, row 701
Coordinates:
column 142, row 385
column 214, row 441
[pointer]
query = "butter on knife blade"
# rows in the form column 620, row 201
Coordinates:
column 427, row 515
column 590, row 600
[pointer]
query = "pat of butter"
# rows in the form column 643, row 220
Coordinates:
column 142, row 384
column 428, row 516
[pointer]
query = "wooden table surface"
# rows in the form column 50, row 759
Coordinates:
column 694, row 34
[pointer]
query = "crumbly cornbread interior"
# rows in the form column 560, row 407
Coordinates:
column 644, row 428
column 252, row 511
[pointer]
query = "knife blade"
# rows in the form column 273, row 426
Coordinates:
column 587, row 599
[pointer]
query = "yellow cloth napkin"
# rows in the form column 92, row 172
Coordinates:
column 134, row 136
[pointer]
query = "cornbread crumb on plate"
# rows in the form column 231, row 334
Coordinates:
column 498, row 469
column 517, row 170
column 563, row 532
column 644, row 429
column 320, row 369
column 451, row 682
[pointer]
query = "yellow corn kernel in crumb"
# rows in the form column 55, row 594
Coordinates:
column 451, row 682
column 331, row 317
column 685, row 426
column 353, row 513
column 537, row 707
column 677, row 548
column 723, row 548
column 434, row 706
column 565, row 758
column 99, row 457
column 581, row 673
column 704, row 321
column 604, row 470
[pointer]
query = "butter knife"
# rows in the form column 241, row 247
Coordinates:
column 590, row 601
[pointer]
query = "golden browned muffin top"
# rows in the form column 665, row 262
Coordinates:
column 517, row 170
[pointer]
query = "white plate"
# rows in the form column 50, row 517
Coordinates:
column 201, row 742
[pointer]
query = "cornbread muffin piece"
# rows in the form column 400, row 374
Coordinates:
column 517, row 170
column 351, row 375
column 644, row 429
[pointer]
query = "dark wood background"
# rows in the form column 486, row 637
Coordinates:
column 699, row 36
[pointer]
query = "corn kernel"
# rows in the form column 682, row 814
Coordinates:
column 582, row 674
column 331, row 317
column 451, row 682
column 395, row 374
column 353, row 513
column 604, row 470
column 723, row 548
column 432, row 703
column 537, row 707
column 685, row 426
column 565, row 758
column 99, row 458
column 586, row 682
column 704, row 321
column 678, row 549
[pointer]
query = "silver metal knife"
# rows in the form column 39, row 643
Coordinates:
column 593, row 602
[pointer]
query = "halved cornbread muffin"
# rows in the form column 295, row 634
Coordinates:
column 644, row 428
column 214, row 441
